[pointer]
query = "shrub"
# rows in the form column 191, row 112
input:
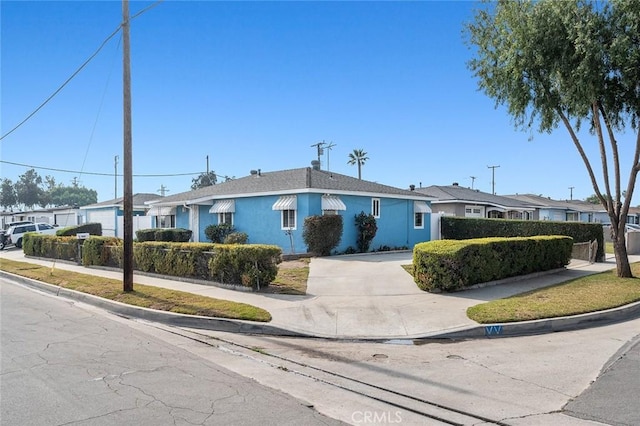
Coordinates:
column 217, row 233
column 102, row 251
column 236, row 238
column 51, row 246
column 71, row 231
column 367, row 228
column 460, row 228
column 180, row 235
column 148, row 234
column 322, row 233
column 254, row 266
column 454, row 264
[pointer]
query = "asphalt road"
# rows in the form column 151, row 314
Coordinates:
column 62, row 363
column 614, row 398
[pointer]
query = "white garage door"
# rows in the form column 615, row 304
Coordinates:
column 65, row 219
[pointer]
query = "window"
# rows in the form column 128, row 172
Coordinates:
column 289, row 219
column 225, row 218
column 418, row 220
column 375, row 207
column 329, row 212
column 572, row 217
column 168, row 221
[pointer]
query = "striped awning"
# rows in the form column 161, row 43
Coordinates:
column 223, row 206
column 161, row 211
column 421, row 207
column 286, row 202
column 331, row 202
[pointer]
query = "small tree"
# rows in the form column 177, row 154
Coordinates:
column 322, row 233
column 367, row 229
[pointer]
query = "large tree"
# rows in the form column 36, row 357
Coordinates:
column 29, row 188
column 359, row 157
column 569, row 63
column 72, row 196
column 8, row 196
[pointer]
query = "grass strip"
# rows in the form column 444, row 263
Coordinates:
column 592, row 293
column 145, row 296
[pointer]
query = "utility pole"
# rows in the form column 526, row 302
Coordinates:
column 163, row 190
column 571, row 193
column 127, row 199
column 207, row 165
column 115, row 177
column 493, row 178
column 320, row 146
column 473, row 179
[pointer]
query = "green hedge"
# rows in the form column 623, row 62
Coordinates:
column 254, row 265
column 174, row 259
column 71, row 231
column 50, row 246
column 461, row 228
column 451, row 265
column 179, row 235
column 102, row 251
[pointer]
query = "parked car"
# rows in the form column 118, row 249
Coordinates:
column 629, row 227
column 15, row 233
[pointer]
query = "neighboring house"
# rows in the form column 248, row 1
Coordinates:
column 111, row 213
column 61, row 216
column 634, row 215
column 455, row 200
column 565, row 210
column 270, row 207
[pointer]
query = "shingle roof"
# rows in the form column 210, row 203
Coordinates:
column 288, row 181
column 139, row 201
column 576, row 205
column 455, row 193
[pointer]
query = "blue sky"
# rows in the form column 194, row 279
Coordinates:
column 253, row 85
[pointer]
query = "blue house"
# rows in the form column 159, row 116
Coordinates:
column 270, row 207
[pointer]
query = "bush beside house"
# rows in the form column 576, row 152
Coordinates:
column 322, row 233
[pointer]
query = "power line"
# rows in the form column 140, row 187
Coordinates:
column 84, row 64
column 97, row 173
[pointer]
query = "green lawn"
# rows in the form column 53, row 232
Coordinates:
column 145, row 296
column 587, row 294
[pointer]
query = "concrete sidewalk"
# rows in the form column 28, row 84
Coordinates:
column 362, row 297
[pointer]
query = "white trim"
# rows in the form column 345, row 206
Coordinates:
column 375, row 207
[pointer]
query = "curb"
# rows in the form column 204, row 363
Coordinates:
column 516, row 329
column 163, row 317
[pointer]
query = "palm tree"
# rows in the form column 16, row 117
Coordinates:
column 358, row 156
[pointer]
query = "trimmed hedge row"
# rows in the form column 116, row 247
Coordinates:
column 179, row 235
column 451, row 265
column 249, row 265
column 462, row 228
column 51, row 246
column 71, row 231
